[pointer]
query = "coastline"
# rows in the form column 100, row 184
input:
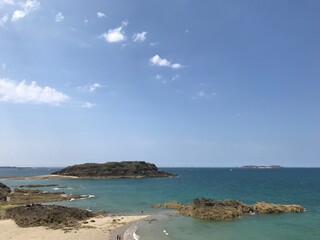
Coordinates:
column 127, row 231
column 59, row 177
column 97, row 228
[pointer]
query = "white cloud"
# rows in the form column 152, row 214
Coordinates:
column 175, row 78
column 202, row 94
column 87, row 105
column 3, row 20
column 176, row 66
column 59, row 17
column 156, row 60
column 115, row 35
column 8, row 2
column 28, row 7
column 17, row 15
column 152, row 44
column 139, row 37
column 90, row 87
column 158, row 77
column 11, row 91
column 101, row 15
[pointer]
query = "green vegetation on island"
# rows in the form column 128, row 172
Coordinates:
column 127, row 169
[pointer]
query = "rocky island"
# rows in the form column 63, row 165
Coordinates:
column 261, row 167
column 127, row 169
column 211, row 209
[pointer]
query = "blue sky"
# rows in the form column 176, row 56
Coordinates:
column 173, row 82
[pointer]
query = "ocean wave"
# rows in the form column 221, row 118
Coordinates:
column 130, row 233
column 136, row 236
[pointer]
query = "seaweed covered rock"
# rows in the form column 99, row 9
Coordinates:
column 262, row 207
column 51, row 216
column 4, row 192
column 129, row 169
column 211, row 209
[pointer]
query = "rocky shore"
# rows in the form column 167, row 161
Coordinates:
column 11, row 198
column 211, row 209
column 52, row 216
column 129, row 169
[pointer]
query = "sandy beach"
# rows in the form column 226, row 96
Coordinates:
column 99, row 229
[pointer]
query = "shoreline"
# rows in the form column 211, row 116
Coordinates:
column 59, row 177
column 97, row 228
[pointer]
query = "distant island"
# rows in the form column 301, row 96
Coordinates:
column 127, row 169
column 262, row 167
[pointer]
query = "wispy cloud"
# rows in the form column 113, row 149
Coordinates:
column 8, row 2
column 158, row 77
column 27, row 7
column 11, row 91
column 90, row 87
column 156, row 60
column 30, row 5
column 87, row 105
column 101, row 15
column 4, row 66
column 3, row 20
column 59, row 17
column 175, row 77
column 115, row 35
column 203, row 94
column 139, row 37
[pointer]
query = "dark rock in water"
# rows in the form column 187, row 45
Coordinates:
column 28, row 196
column 4, row 192
column 131, row 169
column 47, row 215
column 211, row 209
column 38, row 185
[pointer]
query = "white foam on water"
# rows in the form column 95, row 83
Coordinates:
column 130, row 233
column 136, row 236
column 56, row 189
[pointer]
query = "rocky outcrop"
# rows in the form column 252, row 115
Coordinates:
column 211, row 209
column 262, row 207
column 47, row 215
column 27, row 196
column 4, row 192
column 114, row 170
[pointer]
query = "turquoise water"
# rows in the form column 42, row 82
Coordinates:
column 287, row 185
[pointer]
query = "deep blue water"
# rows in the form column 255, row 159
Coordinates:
column 285, row 185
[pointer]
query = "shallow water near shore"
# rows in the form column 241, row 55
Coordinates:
column 130, row 196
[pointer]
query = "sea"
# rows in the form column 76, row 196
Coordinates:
column 136, row 196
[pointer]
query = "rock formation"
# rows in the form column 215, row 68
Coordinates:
column 211, row 209
column 262, row 207
column 47, row 215
column 28, row 196
column 4, row 192
column 114, row 170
